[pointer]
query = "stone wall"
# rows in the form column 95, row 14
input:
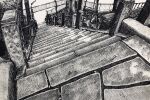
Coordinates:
column 7, row 81
column 12, row 39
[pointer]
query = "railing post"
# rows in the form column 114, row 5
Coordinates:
column 56, row 17
column 145, row 12
column 63, row 19
column 28, row 13
column 115, row 5
column 71, row 12
column 123, row 11
column 79, row 14
column 74, row 7
column 96, row 11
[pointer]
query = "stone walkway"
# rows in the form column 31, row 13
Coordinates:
column 118, row 71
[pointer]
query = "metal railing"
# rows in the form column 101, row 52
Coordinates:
column 138, row 5
column 136, row 9
column 101, row 6
column 48, row 5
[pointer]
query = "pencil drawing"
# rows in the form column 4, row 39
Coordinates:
column 74, row 50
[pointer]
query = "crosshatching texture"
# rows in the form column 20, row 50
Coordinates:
column 83, row 51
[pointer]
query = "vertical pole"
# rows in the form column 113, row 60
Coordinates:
column 79, row 14
column 123, row 11
column 63, row 19
column 145, row 12
column 27, row 10
column 94, row 3
column 71, row 13
column 115, row 5
column 96, row 11
column 56, row 17
column 84, row 11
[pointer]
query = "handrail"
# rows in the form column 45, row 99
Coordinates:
column 53, row 8
column 101, row 6
column 110, row 6
column 138, row 5
column 47, row 6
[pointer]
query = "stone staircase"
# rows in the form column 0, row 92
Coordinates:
column 72, row 64
column 57, row 45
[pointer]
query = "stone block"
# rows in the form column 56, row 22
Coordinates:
column 47, row 95
column 89, row 62
column 140, row 46
column 88, row 88
column 133, row 93
column 130, row 72
column 7, row 81
column 31, row 84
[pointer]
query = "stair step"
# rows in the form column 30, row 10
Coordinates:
column 56, row 33
column 71, row 47
column 101, row 58
column 53, row 45
column 42, row 31
column 50, row 34
column 54, row 39
column 59, row 39
column 71, row 55
column 56, row 55
column 67, row 44
column 59, row 29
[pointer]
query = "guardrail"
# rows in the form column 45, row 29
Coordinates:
column 48, row 5
column 138, row 5
column 101, row 6
column 136, row 9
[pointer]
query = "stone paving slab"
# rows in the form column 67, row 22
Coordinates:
column 89, row 62
column 31, row 84
column 130, row 72
column 48, row 95
column 134, row 93
column 88, row 88
column 139, row 45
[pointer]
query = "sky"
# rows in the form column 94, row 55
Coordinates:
column 40, row 16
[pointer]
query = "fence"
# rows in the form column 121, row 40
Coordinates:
column 48, row 5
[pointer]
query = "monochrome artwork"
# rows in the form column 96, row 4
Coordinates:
column 74, row 49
